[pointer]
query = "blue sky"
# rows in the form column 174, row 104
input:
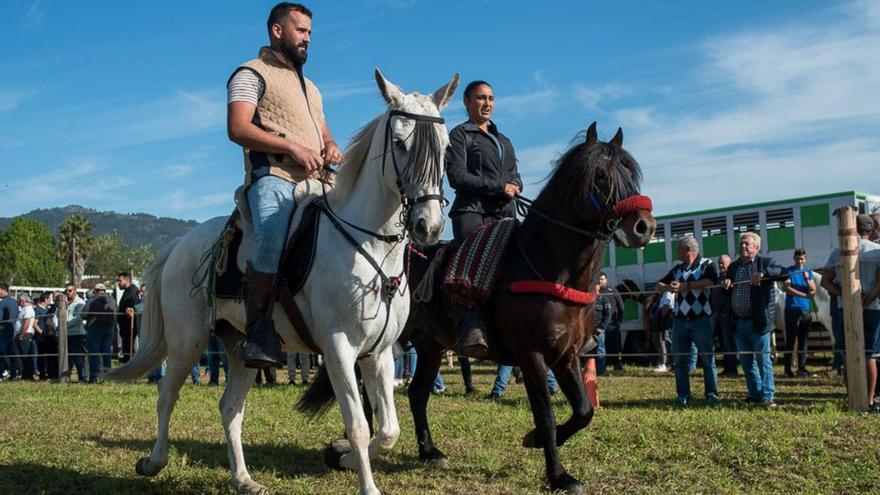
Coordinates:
column 121, row 106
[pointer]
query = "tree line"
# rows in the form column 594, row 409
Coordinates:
column 31, row 255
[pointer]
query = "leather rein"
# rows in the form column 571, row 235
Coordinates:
column 390, row 284
column 610, row 215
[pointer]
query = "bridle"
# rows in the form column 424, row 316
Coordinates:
column 610, row 213
column 390, row 284
column 407, row 201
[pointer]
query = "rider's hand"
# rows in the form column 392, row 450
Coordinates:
column 306, row 157
column 332, row 154
column 511, row 190
column 726, row 284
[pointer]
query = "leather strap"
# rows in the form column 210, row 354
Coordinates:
column 296, row 318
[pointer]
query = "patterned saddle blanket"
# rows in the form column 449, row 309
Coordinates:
column 474, row 267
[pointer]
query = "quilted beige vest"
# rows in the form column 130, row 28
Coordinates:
column 283, row 110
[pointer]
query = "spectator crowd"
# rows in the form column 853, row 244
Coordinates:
column 700, row 307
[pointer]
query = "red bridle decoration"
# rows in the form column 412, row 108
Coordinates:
column 554, row 290
column 632, row 204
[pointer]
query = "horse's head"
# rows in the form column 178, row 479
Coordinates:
column 414, row 143
column 602, row 181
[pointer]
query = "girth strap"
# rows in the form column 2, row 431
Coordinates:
column 296, row 318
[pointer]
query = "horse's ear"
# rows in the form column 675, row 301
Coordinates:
column 442, row 96
column 592, row 135
column 392, row 94
column 617, row 140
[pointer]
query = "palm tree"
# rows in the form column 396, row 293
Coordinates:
column 74, row 243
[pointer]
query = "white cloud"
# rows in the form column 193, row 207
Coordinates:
column 339, row 91
column 591, row 97
column 11, row 99
column 186, row 201
column 796, row 113
column 538, row 102
column 35, row 14
column 113, row 124
column 178, row 170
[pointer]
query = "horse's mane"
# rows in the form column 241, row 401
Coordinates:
column 578, row 165
column 356, row 155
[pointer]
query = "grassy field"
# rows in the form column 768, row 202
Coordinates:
column 59, row 438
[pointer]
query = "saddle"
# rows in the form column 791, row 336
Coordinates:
column 228, row 258
column 474, row 267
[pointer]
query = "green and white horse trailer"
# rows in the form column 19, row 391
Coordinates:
column 784, row 225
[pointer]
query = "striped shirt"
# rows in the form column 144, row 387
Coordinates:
column 247, row 86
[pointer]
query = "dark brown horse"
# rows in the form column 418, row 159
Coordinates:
column 587, row 201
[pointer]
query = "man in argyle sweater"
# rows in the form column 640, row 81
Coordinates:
column 690, row 281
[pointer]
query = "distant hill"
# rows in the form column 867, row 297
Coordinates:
column 136, row 229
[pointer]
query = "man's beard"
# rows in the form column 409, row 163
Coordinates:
column 294, row 55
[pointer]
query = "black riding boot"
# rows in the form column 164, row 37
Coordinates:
column 262, row 347
column 471, row 326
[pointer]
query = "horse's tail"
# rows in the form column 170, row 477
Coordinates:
column 152, row 348
column 319, row 397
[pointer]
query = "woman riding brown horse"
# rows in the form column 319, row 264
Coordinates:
column 541, row 310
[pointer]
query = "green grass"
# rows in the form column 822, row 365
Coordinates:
column 58, row 438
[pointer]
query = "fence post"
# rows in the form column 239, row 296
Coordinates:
column 851, row 295
column 61, row 310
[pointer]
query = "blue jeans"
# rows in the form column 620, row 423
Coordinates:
column 7, row 348
column 75, row 348
column 724, row 334
column 196, row 373
column 502, row 378
column 599, row 351
column 27, row 363
column 216, row 356
column 271, row 202
column 758, row 368
column 157, row 374
column 685, row 334
column 839, row 343
column 100, row 345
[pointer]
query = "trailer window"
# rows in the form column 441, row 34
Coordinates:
column 815, row 215
column 780, row 229
column 714, row 236
column 655, row 251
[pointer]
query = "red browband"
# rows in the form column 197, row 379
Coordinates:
column 633, row 203
column 556, row 290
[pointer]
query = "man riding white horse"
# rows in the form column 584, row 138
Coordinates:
column 276, row 114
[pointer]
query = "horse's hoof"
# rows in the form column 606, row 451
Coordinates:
column 143, row 467
column 438, row 464
column 530, row 441
column 251, row 487
column 567, row 484
column 334, row 452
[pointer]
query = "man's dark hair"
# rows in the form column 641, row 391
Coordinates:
column 125, row 275
column 4, row 286
column 44, row 296
column 602, row 274
column 473, row 85
column 284, row 8
column 800, row 252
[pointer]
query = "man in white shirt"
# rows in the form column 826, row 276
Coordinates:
column 26, row 328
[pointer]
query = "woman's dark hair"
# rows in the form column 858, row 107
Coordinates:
column 472, row 86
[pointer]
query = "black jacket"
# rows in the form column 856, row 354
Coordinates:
column 763, row 297
column 478, row 173
column 129, row 299
column 99, row 313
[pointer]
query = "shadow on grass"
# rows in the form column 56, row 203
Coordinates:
column 35, row 478
column 286, row 459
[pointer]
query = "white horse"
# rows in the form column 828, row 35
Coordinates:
column 395, row 159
